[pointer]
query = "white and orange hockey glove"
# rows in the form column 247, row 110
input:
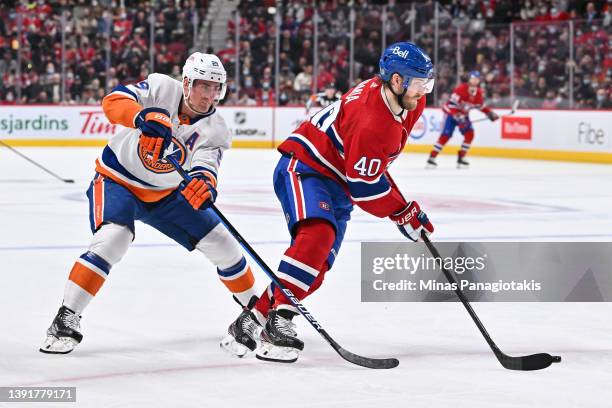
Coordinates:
column 201, row 191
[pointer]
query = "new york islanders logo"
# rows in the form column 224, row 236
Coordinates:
column 162, row 166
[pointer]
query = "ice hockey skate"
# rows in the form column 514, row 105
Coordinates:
column 462, row 163
column 64, row 334
column 279, row 340
column 243, row 335
column 431, row 163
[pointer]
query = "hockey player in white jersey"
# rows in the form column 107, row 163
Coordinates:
column 158, row 116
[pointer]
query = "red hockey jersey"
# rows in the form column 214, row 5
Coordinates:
column 463, row 99
column 354, row 141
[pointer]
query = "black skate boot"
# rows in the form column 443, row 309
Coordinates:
column 431, row 163
column 279, row 340
column 243, row 333
column 462, row 163
column 64, row 333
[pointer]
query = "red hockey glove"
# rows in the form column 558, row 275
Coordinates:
column 411, row 220
column 492, row 116
column 200, row 192
column 156, row 130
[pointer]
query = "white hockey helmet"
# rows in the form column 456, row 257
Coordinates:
column 207, row 67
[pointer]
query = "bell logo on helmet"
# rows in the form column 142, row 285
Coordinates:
column 398, row 51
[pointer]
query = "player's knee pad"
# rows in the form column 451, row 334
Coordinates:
column 313, row 241
column 111, row 242
column 220, row 247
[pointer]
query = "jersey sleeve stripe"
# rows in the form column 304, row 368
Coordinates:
column 360, row 190
column 360, row 180
column 211, row 174
column 373, row 197
column 124, row 90
column 307, row 144
column 333, row 136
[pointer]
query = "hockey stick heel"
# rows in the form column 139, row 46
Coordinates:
column 375, row 363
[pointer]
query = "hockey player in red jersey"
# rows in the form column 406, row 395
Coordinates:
column 339, row 157
column 468, row 95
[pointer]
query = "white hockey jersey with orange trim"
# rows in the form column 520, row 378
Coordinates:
column 197, row 144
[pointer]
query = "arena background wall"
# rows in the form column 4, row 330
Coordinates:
column 567, row 135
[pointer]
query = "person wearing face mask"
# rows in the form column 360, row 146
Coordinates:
column 603, row 99
column 156, row 118
column 339, row 157
column 466, row 96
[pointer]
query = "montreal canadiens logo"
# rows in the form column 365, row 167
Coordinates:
column 176, row 150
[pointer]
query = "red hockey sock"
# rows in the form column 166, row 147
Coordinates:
column 467, row 141
column 442, row 140
column 304, row 263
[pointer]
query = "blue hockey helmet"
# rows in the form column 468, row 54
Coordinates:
column 410, row 62
column 474, row 74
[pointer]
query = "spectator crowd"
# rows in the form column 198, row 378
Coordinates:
column 106, row 44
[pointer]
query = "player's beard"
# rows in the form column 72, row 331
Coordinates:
column 409, row 104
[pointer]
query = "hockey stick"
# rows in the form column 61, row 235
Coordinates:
column 512, row 112
column 17, row 152
column 524, row 363
column 345, row 354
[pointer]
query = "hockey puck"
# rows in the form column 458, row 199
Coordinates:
column 556, row 359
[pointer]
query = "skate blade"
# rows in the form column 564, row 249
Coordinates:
column 270, row 352
column 55, row 345
column 232, row 347
column 430, row 166
column 463, row 166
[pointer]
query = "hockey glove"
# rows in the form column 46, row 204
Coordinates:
column 411, row 220
column 200, row 192
column 156, row 131
column 492, row 116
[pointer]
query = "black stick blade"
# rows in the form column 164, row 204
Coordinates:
column 375, row 363
column 528, row 363
column 68, row 181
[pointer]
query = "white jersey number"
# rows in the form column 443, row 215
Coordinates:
column 367, row 167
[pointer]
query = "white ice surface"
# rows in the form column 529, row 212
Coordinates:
column 152, row 333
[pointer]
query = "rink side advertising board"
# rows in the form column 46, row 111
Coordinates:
column 534, row 134
column 487, row 271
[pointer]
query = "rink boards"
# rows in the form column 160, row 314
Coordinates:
column 533, row 134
